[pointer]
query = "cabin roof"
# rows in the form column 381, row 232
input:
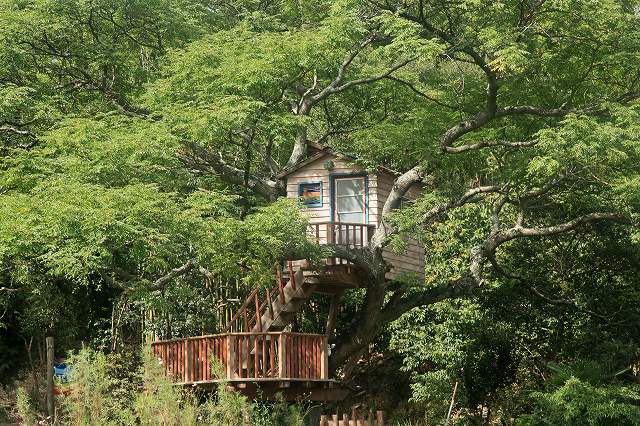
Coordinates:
column 319, row 152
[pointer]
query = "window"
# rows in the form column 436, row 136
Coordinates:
column 350, row 200
column 310, row 194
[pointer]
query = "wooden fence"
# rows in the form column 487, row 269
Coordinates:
column 245, row 356
column 356, row 418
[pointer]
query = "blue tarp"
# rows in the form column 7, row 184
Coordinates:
column 61, row 371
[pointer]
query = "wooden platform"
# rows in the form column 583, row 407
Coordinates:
column 293, row 364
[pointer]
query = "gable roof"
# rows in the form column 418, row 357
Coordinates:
column 319, row 152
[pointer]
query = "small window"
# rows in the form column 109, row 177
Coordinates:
column 310, row 194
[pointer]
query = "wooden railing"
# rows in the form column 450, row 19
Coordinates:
column 189, row 360
column 249, row 315
column 354, row 235
column 245, row 357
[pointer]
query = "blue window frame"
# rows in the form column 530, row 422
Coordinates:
column 310, row 194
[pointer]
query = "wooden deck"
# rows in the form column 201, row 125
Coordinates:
column 256, row 354
column 264, row 363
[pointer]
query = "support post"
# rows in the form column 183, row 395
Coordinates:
column 50, row 361
column 282, row 356
column 231, row 356
column 324, row 359
column 188, row 361
column 379, row 418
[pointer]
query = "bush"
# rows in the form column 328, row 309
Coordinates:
column 99, row 394
column 578, row 402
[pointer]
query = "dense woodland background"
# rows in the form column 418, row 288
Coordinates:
column 143, row 137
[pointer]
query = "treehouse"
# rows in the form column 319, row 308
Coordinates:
column 257, row 351
column 344, row 204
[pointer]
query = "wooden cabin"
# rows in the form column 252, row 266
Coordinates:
column 344, row 204
column 257, row 353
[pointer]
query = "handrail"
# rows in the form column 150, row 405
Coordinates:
column 242, row 309
column 335, row 222
column 237, row 333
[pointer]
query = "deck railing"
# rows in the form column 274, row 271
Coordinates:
column 245, row 357
column 354, row 235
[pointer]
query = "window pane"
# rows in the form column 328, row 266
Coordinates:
column 350, row 204
column 349, row 186
column 351, row 217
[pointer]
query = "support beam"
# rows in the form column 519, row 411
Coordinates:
column 282, row 356
column 50, row 361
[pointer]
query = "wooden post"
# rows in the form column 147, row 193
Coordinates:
column 50, row 361
column 282, row 356
column 379, row 418
column 354, row 418
column 324, row 358
column 292, row 276
column 345, row 419
column 188, row 361
column 231, row 356
column 258, row 316
column 370, row 421
column 323, row 420
column 453, row 398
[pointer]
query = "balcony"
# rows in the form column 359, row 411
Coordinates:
column 353, row 235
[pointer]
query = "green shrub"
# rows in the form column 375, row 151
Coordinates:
column 23, row 406
column 578, row 402
column 100, row 394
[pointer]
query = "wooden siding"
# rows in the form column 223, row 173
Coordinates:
column 379, row 186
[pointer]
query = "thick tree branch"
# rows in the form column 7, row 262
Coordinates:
column 486, row 251
column 546, row 231
column 202, row 160
column 485, row 144
column 401, row 185
column 307, row 100
column 17, row 131
column 163, row 281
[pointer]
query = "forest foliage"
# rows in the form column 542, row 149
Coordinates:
column 138, row 137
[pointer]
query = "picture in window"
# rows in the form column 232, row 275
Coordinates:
column 311, row 194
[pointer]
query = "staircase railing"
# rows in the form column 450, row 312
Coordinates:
column 248, row 318
column 245, row 356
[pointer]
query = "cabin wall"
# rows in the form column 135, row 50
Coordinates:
column 315, row 172
column 379, row 185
